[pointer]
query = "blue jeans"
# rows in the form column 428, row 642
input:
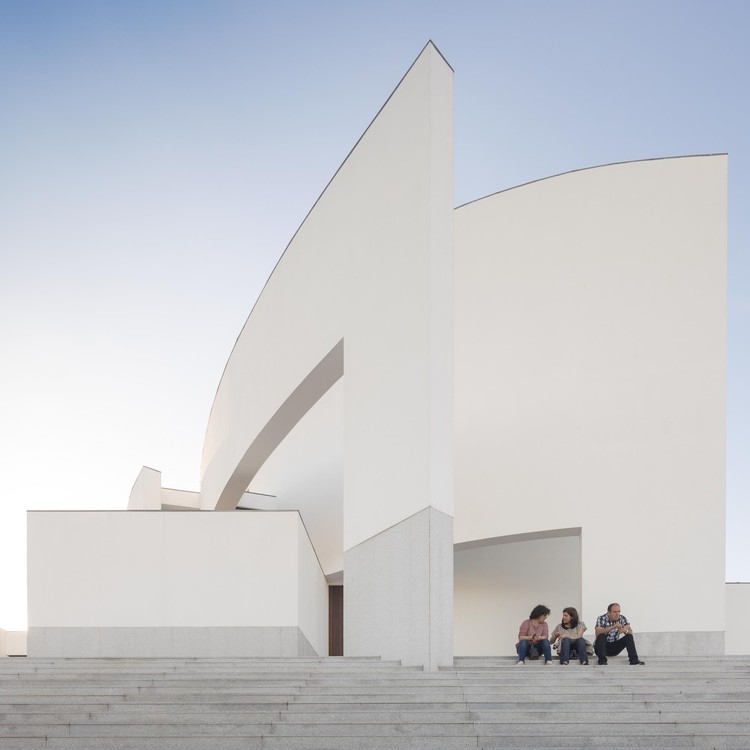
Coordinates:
column 523, row 646
column 580, row 647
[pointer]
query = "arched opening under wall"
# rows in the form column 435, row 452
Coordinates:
column 497, row 582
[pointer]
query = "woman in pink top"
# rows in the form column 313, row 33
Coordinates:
column 534, row 630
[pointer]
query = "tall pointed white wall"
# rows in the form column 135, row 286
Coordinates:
column 365, row 290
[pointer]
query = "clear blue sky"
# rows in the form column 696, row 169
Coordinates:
column 157, row 156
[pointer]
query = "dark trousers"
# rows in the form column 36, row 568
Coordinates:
column 604, row 648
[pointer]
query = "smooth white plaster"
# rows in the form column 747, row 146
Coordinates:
column 364, row 290
column 12, row 642
column 146, row 491
column 589, row 365
column 175, row 570
column 372, row 265
column 496, row 586
column 179, row 499
column 305, row 473
column 590, row 379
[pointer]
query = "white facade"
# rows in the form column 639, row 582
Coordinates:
column 174, row 584
column 12, row 642
column 545, row 365
column 590, row 381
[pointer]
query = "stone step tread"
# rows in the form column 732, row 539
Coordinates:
column 155, row 664
column 479, row 718
column 280, row 688
column 237, row 729
column 389, row 688
column 510, row 731
column 375, row 743
column 240, row 743
column 480, row 698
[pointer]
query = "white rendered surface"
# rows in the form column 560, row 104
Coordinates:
column 738, row 616
column 365, row 291
column 179, row 499
column 146, row 491
column 175, row 570
column 12, row 642
column 306, row 473
column 370, row 265
column 497, row 585
column 590, row 379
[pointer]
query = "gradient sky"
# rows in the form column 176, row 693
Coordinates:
column 156, row 156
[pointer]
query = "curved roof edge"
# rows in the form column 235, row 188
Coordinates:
column 429, row 45
column 586, row 169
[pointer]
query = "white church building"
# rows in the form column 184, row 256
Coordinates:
column 436, row 418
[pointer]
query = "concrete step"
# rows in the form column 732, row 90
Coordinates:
column 322, row 704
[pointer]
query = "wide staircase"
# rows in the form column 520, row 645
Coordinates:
column 350, row 703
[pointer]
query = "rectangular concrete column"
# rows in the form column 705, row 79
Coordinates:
column 398, row 592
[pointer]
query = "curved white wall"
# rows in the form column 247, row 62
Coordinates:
column 372, row 265
column 590, row 379
column 365, row 290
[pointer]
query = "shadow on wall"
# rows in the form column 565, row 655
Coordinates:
column 491, row 598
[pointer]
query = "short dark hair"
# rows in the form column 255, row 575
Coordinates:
column 573, row 612
column 538, row 611
column 614, row 604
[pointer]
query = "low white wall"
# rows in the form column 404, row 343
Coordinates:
column 193, row 572
column 736, row 640
column 312, row 595
column 12, row 642
column 497, row 585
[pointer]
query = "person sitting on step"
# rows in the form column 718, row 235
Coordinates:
column 570, row 633
column 613, row 634
column 534, row 632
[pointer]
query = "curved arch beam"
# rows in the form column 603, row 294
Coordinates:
column 300, row 401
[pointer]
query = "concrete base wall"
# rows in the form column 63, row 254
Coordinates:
column 708, row 643
column 738, row 615
column 168, row 642
column 398, row 585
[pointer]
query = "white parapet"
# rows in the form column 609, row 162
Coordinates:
column 114, row 583
column 12, row 642
column 146, row 491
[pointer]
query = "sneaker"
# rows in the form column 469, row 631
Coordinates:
column 547, row 663
column 585, row 663
column 519, row 663
column 636, row 663
column 602, row 662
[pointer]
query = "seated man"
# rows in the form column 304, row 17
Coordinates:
column 613, row 634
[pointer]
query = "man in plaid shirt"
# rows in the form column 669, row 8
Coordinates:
column 613, row 634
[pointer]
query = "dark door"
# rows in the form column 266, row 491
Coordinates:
column 335, row 620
